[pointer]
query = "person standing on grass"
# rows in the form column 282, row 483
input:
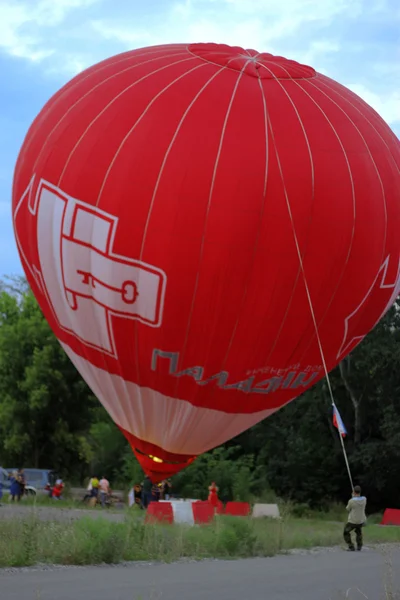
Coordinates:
column 155, row 492
column 146, row 491
column 356, row 519
column 165, row 489
column 15, row 489
column 137, row 490
column 104, row 487
column 58, row 490
column 213, row 495
column 20, row 478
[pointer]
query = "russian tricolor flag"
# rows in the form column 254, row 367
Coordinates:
column 338, row 423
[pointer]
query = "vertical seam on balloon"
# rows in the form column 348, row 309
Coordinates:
column 305, row 279
column 277, row 337
column 103, row 359
column 105, row 108
column 307, row 289
column 166, row 155
column 335, row 88
column 155, row 191
column 266, row 137
column 383, row 196
column 352, row 184
column 79, row 81
column 145, row 111
column 131, row 130
column 220, row 70
column 354, row 212
column 216, row 164
column 168, row 151
column 361, row 136
column 256, row 243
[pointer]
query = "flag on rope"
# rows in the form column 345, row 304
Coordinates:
column 338, row 423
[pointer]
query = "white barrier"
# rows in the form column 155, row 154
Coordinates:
column 266, row 510
column 182, row 510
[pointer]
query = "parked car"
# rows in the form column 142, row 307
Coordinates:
column 30, row 490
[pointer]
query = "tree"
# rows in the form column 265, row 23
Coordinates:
column 45, row 407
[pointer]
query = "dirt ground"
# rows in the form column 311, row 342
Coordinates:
column 47, row 513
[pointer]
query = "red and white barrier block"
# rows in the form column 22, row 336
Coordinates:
column 192, row 512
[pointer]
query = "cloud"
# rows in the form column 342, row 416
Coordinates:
column 252, row 22
column 24, row 26
column 285, row 17
column 123, row 33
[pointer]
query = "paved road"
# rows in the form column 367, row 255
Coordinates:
column 323, row 576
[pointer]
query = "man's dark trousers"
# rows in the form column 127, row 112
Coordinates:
column 349, row 527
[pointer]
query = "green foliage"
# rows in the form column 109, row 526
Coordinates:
column 45, row 407
column 228, row 467
column 131, row 471
column 95, row 541
column 49, row 418
column 109, row 448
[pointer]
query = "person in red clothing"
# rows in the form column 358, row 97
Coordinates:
column 58, row 489
column 213, row 495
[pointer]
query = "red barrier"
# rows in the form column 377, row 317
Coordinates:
column 159, row 512
column 203, row 512
column 391, row 516
column 238, row 509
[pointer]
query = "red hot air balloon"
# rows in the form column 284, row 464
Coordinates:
column 201, row 224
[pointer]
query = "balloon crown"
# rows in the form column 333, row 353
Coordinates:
column 251, row 62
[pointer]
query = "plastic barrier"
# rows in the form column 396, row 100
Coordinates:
column 183, row 512
column 203, row 512
column 159, row 512
column 266, row 510
column 391, row 516
column 237, row 509
column 197, row 512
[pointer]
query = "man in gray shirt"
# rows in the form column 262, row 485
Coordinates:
column 356, row 519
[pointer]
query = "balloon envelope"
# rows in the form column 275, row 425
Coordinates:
column 183, row 213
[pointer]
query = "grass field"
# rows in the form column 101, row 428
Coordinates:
column 28, row 541
column 42, row 500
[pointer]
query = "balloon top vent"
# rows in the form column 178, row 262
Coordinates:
column 251, row 62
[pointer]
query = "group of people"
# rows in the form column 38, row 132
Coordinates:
column 99, row 490
column 152, row 492
column 146, row 492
